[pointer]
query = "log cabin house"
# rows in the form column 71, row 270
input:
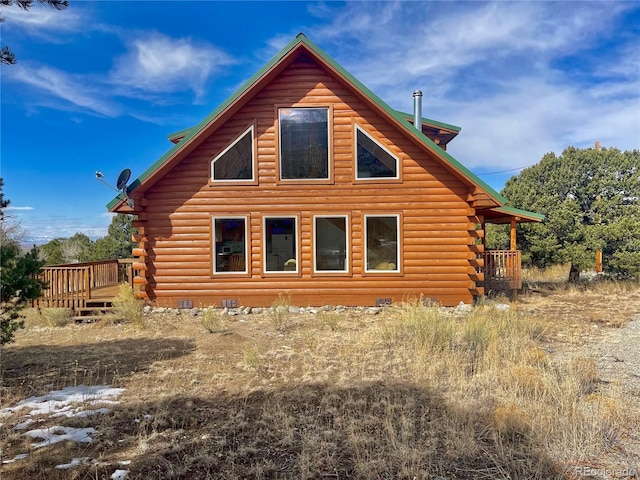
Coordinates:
column 305, row 184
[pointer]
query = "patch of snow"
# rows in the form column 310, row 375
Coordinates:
column 20, row 456
column 59, row 402
column 80, row 413
column 74, row 462
column 57, row 434
column 119, row 474
column 23, row 425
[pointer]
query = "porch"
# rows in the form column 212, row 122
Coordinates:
column 502, row 270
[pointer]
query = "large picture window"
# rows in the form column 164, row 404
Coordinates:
column 230, row 245
column 304, row 143
column 382, row 243
column 235, row 163
column 372, row 159
column 330, row 241
column 280, row 244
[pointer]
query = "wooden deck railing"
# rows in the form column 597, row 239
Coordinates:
column 71, row 286
column 502, row 270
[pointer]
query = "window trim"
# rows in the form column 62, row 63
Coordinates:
column 280, row 273
column 247, row 245
column 397, row 178
column 399, row 231
column 254, row 161
column 347, row 261
column 298, row 181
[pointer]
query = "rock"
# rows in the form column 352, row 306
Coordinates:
column 147, row 309
column 246, row 310
column 295, row 309
column 373, row 310
column 257, row 310
column 503, row 307
column 194, row 312
column 464, row 308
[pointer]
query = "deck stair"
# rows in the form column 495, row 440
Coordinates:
column 93, row 311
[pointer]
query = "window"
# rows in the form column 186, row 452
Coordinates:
column 372, row 159
column 330, row 240
column 236, row 161
column 381, row 243
column 304, row 143
column 230, row 245
column 281, row 245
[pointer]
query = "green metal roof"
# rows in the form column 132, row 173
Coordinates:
column 302, row 39
column 517, row 212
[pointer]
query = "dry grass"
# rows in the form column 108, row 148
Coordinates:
column 413, row 392
column 127, row 307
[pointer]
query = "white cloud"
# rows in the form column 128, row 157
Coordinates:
column 155, row 63
column 518, row 77
column 14, row 208
column 41, row 21
column 77, row 90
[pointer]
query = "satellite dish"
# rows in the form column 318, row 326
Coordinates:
column 123, row 178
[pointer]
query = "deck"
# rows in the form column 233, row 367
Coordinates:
column 103, row 294
column 84, row 285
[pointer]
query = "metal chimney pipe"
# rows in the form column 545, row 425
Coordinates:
column 417, row 109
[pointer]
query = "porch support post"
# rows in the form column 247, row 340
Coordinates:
column 513, row 234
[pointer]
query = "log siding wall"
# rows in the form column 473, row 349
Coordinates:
column 438, row 224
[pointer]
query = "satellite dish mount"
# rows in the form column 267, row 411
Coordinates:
column 121, row 183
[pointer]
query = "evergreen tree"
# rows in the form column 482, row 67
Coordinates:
column 117, row 243
column 51, row 252
column 591, row 200
column 19, row 281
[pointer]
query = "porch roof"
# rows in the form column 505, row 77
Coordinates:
column 505, row 214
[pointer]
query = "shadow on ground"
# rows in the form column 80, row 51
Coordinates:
column 376, row 430
column 49, row 367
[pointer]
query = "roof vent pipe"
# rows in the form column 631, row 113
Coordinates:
column 417, row 109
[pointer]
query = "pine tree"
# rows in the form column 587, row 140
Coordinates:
column 6, row 55
column 591, row 200
column 19, row 280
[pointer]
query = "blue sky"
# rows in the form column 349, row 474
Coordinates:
column 100, row 85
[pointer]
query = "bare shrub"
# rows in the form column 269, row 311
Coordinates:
column 279, row 313
column 213, row 321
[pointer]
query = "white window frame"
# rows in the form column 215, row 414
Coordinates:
column 329, row 176
column 247, row 243
column 229, row 147
column 355, row 154
column 347, row 258
column 398, row 243
column 296, row 228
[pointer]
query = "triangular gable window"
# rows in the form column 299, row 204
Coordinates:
column 236, row 161
column 372, row 159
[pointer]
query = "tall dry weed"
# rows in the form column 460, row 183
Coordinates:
column 127, row 307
